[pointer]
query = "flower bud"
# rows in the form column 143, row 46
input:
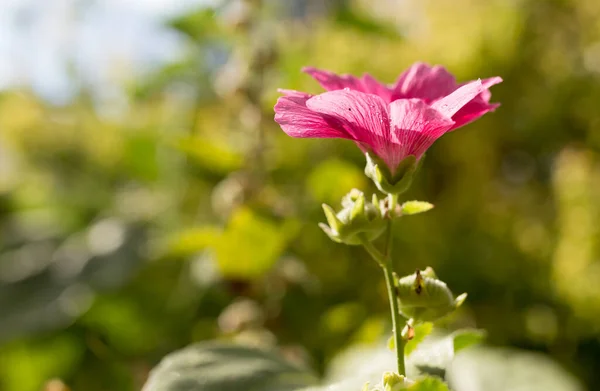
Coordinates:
column 423, row 297
column 382, row 176
column 359, row 219
column 394, row 382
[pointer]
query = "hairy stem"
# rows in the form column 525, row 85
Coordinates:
column 385, row 261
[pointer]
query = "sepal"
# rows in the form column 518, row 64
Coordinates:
column 382, row 176
column 425, row 298
column 358, row 219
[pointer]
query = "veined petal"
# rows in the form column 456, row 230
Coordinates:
column 478, row 106
column 472, row 111
column 331, row 81
column 452, row 103
column 367, row 83
column 363, row 116
column 297, row 120
column 424, row 82
column 414, row 127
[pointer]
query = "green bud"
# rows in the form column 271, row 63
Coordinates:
column 397, row 183
column 424, row 298
column 394, row 382
column 359, row 219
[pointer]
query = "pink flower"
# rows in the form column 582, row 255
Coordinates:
column 389, row 121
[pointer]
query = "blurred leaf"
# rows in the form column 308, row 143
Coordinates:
column 434, row 353
column 363, row 23
column 215, row 366
column 465, row 338
column 251, row 245
column 26, row 365
column 140, row 157
column 422, row 330
column 429, row 384
column 197, row 25
column 122, row 324
column 329, row 181
column 342, row 318
column 492, row 369
column 50, row 297
column 193, row 240
column 212, row 157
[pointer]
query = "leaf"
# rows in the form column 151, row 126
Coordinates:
column 415, row 207
column 431, row 357
column 429, row 384
column 219, row 366
column 193, row 240
column 360, row 21
column 330, row 180
column 198, row 25
column 422, row 330
column 500, row 369
column 465, row 338
column 251, row 244
column 435, row 353
column 209, row 155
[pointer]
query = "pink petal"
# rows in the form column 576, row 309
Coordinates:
column 297, row 120
column 372, row 86
column 424, row 82
column 478, row 106
column 472, row 111
column 363, row 116
column 415, row 126
column 331, row 82
column 293, row 93
column 492, row 81
column 452, row 103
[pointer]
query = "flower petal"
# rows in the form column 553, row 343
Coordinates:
column 487, row 83
column 452, row 103
column 363, row 116
column 293, row 93
column 424, row 82
column 414, row 127
column 478, row 106
column 297, row 120
column 367, row 83
column 472, row 111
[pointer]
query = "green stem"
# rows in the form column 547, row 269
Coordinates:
column 385, row 261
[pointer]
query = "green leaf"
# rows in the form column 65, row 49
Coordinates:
column 429, row 384
column 251, row 244
column 422, row 330
column 218, row 366
column 193, row 240
column 362, row 22
column 465, row 338
column 497, row 369
column 330, row 180
column 414, row 207
column 209, row 155
column 198, row 25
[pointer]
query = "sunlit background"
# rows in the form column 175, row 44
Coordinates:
column 148, row 200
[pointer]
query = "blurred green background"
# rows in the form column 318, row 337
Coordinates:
column 153, row 203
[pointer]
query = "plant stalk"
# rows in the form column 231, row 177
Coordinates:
column 385, row 261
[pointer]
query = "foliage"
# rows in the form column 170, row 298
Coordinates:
column 186, row 215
